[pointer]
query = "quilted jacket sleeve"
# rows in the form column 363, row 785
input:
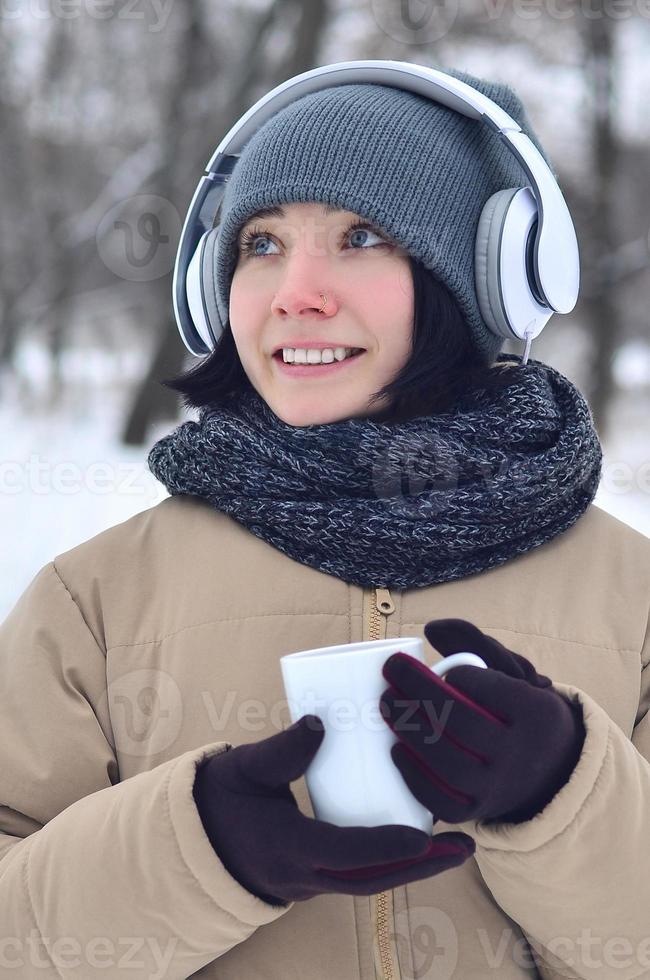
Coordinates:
column 97, row 877
column 577, row 876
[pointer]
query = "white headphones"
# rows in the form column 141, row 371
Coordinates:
column 526, row 251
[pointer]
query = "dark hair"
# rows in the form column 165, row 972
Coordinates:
column 444, row 364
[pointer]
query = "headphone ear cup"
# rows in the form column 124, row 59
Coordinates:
column 200, row 291
column 195, row 297
column 209, row 285
column 502, row 267
column 486, row 261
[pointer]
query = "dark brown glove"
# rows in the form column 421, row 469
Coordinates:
column 508, row 744
column 281, row 855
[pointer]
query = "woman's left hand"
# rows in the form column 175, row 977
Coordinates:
column 491, row 745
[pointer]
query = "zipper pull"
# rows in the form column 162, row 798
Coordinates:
column 385, row 603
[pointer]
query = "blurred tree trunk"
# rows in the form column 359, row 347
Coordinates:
column 17, row 224
column 151, row 400
column 602, row 303
column 39, row 179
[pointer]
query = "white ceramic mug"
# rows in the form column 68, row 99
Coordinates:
column 352, row 780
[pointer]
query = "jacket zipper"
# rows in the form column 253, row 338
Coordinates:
column 382, row 606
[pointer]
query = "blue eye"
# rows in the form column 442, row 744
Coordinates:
column 365, row 229
column 250, row 238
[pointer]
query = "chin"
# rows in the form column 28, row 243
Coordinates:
column 301, row 416
column 301, row 420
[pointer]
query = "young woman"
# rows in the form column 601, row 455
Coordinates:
column 406, row 480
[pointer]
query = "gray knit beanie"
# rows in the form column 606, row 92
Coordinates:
column 416, row 168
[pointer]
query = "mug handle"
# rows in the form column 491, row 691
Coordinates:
column 457, row 660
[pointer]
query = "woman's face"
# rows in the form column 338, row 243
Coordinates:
column 287, row 259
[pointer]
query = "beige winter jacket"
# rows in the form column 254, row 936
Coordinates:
column 134, row 655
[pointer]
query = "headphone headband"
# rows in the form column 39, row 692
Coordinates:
column 555, row 251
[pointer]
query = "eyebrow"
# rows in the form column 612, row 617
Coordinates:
column 278, row 212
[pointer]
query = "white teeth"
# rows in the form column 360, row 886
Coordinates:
column 301, row 355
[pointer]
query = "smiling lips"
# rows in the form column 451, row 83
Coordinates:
column 325, row 355
column 304, row 343
column 303, row 368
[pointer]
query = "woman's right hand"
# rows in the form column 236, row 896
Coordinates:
column 279, row 854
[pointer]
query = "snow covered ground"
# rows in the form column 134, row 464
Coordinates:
column 64, row 476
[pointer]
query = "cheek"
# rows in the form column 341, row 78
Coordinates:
column 393, row 290
column 244, row 313
column 242, row 302
column 393, row 295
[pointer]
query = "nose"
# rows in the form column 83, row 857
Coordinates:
column 305, row 288
column 303, row 302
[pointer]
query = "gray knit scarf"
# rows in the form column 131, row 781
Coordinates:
column 400, row 505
